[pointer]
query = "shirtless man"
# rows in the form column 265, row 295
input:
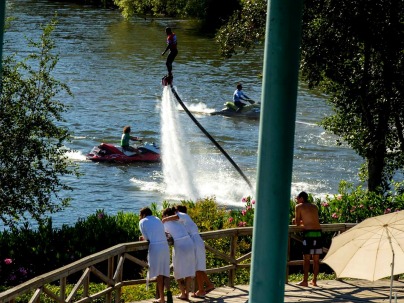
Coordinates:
column 306, row 216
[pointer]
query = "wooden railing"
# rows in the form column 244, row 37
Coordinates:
column 117, row 256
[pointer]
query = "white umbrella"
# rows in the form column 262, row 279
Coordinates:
column 371, row 250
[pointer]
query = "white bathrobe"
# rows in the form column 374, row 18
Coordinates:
column 183, row 250
column 199, row 245
column 158, row 257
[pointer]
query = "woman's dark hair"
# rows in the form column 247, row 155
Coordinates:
column 145, row 211
column 170, row 211
column 181, row 208
column 126, row 129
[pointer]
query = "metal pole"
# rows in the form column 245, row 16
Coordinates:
column 2, row 18
column 275, row 155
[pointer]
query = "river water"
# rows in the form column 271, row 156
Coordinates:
column 114, row 69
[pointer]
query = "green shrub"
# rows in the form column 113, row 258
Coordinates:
column 27, row 253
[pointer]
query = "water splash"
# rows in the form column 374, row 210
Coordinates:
column 198, row 174
column 176, row 156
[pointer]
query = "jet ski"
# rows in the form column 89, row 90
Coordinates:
column 248, row 111
column 105, row 152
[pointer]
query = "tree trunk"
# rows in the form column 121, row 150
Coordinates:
column 375, row 172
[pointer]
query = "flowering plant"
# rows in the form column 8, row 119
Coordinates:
column 245, row 216
column 353, row 205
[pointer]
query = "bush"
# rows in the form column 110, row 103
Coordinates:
column 27, row 253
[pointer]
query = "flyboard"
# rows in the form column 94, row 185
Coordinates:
column 168, row 81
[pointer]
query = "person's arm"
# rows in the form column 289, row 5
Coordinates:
column 170, row 218
column 298, row 216
column 142, row 237
column 167, row 48
column 245, row 97
column 136, row 138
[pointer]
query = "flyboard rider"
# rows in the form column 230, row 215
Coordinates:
column 172, row 46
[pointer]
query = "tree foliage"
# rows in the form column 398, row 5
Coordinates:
column 244, row 30
column 32, row 153
column 212, row 13
column 354, row 51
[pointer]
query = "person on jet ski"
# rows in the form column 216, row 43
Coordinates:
column 125, row 140
column 240, row 99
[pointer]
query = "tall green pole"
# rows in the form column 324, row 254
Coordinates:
column 2, row 18
column 275, row 155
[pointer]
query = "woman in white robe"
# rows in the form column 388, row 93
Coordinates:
column 183, row 254
column 158, row 257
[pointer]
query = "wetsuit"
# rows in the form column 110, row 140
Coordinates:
column 172, row 43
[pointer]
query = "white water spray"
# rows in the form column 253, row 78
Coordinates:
column 176, row 155
column 198, row 174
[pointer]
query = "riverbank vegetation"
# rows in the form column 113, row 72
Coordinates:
column 28, row 252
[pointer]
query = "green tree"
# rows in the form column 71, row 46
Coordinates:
column 244, row 30
column 354, row 52
column 212, row 13
column 32, row 154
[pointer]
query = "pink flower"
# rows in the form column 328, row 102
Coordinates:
column 242, row 224
column 244, row 199
column 334, row 215
column 231, row 219
column 387, row 211
column 325, row 204
column 252, row 201
column 243, row 212
column 8, row 261
column 248, row 207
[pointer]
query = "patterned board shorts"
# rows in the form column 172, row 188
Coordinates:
column 312, row 242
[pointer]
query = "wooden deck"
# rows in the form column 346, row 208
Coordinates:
column 330, row 291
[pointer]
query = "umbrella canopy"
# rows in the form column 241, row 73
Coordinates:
column 370, row 249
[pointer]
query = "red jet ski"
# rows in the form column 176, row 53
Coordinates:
column 105, row 152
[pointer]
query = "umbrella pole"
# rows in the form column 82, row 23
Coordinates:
column 392, row 265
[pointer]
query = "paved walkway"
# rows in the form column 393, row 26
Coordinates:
column 330, row 291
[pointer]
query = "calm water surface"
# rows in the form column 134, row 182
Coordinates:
column 114, row 69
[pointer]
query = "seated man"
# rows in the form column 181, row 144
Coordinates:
column 125, row 139
column 239, row 98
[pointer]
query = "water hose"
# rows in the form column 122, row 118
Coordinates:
column 210, row 137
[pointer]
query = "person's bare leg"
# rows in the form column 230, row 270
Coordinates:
column 188, row 282
column 182, row 289
column 160, row 287
column 306, row 268
column 209, row 285
column 200, row 282
column 316, row 269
